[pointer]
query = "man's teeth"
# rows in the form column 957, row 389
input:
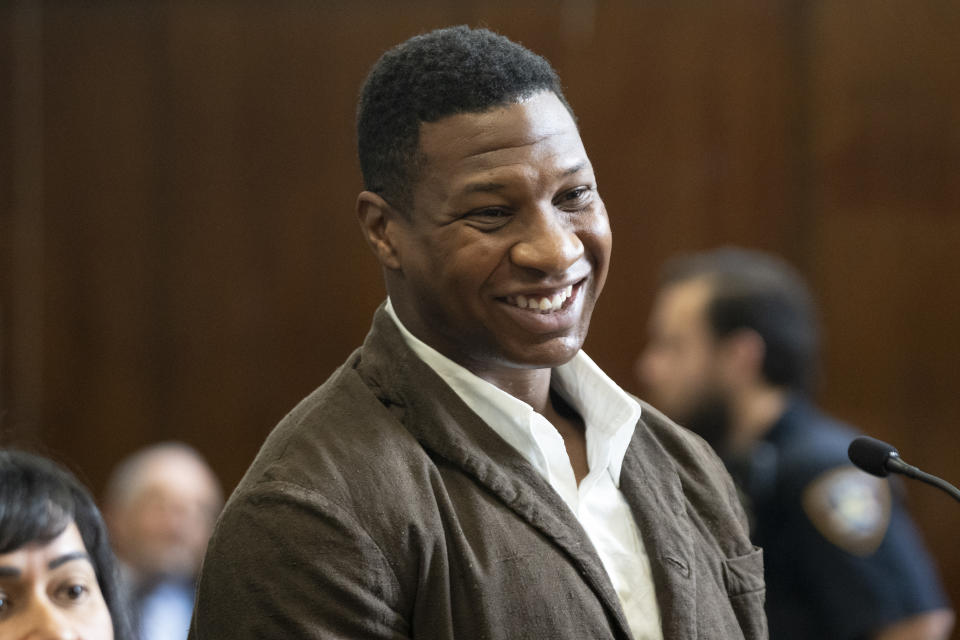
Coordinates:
column 543, row 304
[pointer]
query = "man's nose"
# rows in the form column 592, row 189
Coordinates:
column 49, row 622
column 550, row 244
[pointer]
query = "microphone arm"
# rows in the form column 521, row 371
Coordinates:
column 879, row 458
column 896, row 464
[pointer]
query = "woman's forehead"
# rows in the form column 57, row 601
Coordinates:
column 68, row 546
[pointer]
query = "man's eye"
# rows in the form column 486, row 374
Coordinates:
column 488, row 219
column 575, row 197
column 489, row 213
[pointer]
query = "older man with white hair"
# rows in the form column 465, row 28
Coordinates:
column 160, row 505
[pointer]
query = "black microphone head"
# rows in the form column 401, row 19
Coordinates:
column 871, row 455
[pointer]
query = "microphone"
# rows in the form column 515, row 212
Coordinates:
column 879, row 458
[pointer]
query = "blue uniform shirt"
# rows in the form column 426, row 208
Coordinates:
column 842, row 556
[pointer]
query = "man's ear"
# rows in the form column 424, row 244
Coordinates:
column 379, row 223
column 744, row 351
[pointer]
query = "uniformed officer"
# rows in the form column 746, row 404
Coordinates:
column 731, row 355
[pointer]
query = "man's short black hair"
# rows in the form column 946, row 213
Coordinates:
column 429, row 77
column 758, row 291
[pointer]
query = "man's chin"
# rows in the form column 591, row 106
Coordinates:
column 547, row 354
column 174, row 568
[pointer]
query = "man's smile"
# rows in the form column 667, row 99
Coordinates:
column 546, row 311
column 547, row 302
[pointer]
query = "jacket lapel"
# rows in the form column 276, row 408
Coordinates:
column 444, row 425
column 652, row 488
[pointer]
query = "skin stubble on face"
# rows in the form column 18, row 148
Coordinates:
column 679, row 367
column 675, row 368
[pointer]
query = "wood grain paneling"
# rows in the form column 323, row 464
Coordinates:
column 21, row 222
column 189, row 172
column 885, row 152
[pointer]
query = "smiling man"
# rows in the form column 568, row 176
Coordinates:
column 469, row 472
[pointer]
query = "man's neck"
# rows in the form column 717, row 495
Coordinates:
column 754, row 413
column 533, row 387
column 529, row 385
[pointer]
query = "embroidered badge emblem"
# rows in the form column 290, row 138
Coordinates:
column 849, row 508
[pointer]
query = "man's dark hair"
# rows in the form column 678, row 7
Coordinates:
column 429, row 77
column 755, row 290
column 38, row 501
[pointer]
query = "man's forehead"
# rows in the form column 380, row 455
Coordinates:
column 174, row 471
column 685, row 300
column 537, row 120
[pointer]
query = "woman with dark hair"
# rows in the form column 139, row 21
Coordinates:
column 57, row 571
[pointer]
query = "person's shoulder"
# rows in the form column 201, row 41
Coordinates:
column 340, row 438
column 667, row 444
column 804, row 421
column 676, row 454
column 810, row 442
column 849, row 508
column 678, row 442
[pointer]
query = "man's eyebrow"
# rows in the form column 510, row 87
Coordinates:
column 483, row 187
column 577, row 168
column 67, row 557
column 492, row 187
column 9, row 572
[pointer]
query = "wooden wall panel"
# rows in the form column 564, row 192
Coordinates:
column 8, row 65
column 202, row 178
column 100, row 216
column 192, row 174
column 684, row 109
column 21, row 221
column 885, row 119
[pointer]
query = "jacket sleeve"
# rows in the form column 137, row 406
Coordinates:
column 285, row 562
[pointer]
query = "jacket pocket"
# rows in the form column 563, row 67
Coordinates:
column 744, row 574
column 743, row 579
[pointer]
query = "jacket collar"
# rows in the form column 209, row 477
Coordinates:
column 446, row 427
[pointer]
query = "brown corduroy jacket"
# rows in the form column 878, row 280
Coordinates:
column 383, row 507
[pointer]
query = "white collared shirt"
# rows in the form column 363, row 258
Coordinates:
column 610, row 416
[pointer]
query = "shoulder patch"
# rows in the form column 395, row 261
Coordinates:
column 849, row 508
